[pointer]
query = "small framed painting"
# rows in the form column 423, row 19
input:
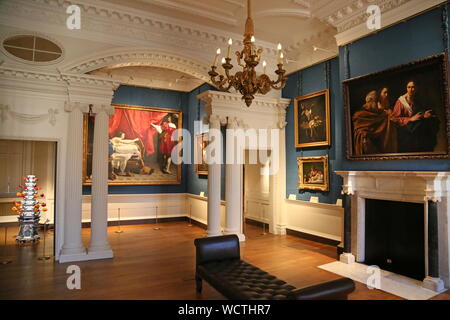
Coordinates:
column 313, row 173
column 312, row 120
column 201, row 141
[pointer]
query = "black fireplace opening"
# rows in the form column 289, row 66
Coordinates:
column 395, row 237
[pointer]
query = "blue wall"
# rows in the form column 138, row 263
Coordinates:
column 150, row 98
column 196, row 112
column 316, row 78
column 414, row 39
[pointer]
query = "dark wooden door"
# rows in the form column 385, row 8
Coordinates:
column 395, row 237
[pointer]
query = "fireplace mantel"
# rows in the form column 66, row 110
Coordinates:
column 410, row 186
column 430, row 188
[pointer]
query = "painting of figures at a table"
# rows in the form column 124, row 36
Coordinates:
column 400, row 113
column 141, row 140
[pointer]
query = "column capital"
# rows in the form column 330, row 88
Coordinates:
column 232, row 123
column 72, row 106
column 214, row 121
column 432, row 198
column 348, row 190
column 108, row 109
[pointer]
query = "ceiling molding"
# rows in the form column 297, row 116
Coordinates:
column 239, row 3
column 283, row 12
column 221, row 15
column 137, row 56
column 350, row 20
column 125, row 26
column 302, row 3
column 48, row 83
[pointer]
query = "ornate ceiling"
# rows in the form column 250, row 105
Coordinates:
column 182, row 35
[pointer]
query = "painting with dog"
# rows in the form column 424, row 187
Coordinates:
column 140, row 146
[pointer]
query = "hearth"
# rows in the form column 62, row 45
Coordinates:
column 395, row 237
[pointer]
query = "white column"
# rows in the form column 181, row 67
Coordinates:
column 99, row 245
column 214, row 177
column 73, row 249
column 233, row 184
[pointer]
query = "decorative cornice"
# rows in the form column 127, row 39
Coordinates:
column 302, row 3
column 351, row 20
column 359, row 7
column 236, row 99
column 29, row 74
column 129, row 23
column 284, row 12
column 63, row 78
column 264, row 112
column 138, row 57
column 87, row 80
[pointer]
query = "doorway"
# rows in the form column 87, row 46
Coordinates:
column 19, row 158
column 256, row 188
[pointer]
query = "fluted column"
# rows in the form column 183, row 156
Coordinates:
column 72, row 248
column 99, row 246
column 214, row 178
column 233, row 184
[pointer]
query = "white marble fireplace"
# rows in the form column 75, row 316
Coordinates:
column 432, row 189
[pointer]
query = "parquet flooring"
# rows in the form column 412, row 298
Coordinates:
column 159, row 265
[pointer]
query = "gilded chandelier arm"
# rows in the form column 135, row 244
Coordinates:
column 281, row 78
column 246, row 81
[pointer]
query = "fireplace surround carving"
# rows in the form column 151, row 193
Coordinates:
column 432, row 189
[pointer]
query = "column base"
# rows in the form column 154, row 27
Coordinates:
column 347, row 258
column 279, row 229
column 100, row 254
column 71, row 257
column 241, row 236
column 434, row 284
column 213, row 233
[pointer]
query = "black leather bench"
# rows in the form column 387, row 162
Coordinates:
column 218, row 262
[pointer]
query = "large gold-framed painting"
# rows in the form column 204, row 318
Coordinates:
column 401, row 113
column 312, row 120
column 201, row 142
column 140, row 146
column 313, row 173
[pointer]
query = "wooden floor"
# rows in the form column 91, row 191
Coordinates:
column 159, row 264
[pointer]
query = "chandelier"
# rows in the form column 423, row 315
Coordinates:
column 246, row 81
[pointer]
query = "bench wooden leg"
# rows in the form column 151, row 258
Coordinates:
column 198, row 284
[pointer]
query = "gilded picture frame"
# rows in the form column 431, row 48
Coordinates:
column 312, row 120
column 201, row 141
column 140, row 145
column 313, row 173
column 401, row 113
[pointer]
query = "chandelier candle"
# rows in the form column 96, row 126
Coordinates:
column 230, row 43
column 246, row 82
column 217, row 55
